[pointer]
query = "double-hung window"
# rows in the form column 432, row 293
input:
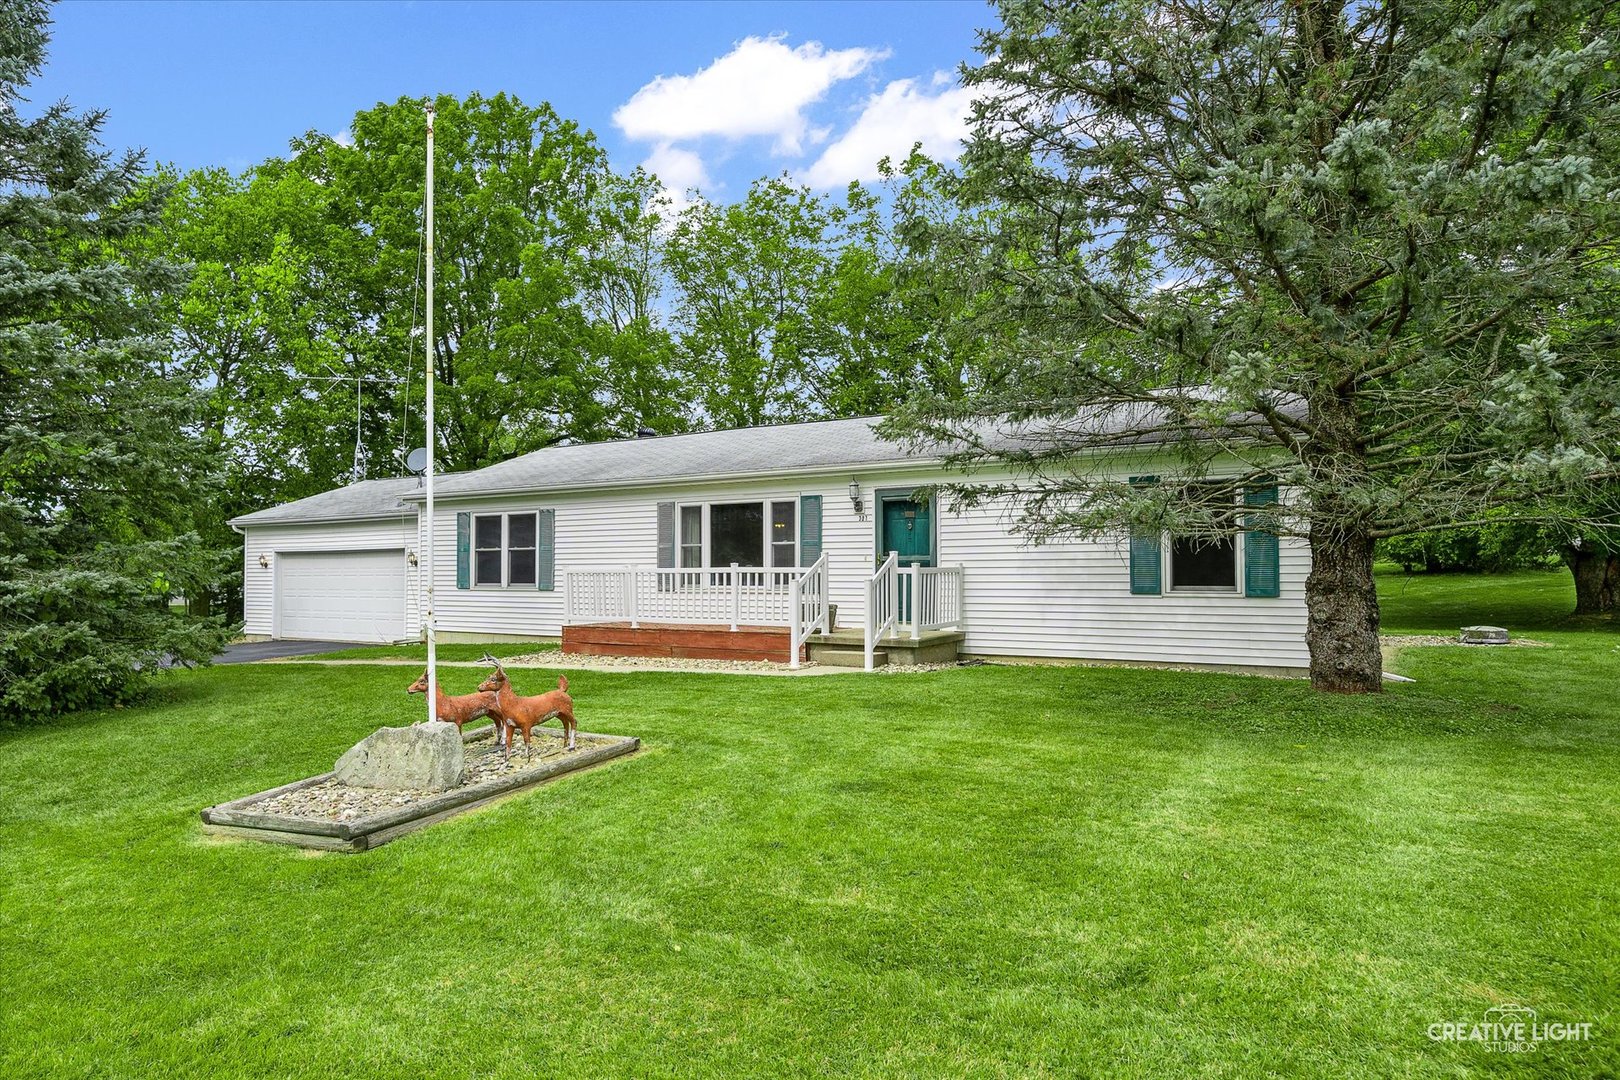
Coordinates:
column 784, row 534
column 761, row 533
column 1207, row 563
column 504, row 549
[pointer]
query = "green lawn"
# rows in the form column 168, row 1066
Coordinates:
column 989, row 871
column 1425, row 603
column 446, row 651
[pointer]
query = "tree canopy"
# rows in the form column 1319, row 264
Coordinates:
column 100, row 481
column 1355, row 249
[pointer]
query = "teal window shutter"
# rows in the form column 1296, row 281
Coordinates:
column 463, row 551
column 809, row 529
column 545, row 551
column 666, row 535
column 1147, row 565
column 1261, row 573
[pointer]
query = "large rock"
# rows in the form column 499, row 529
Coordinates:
column 422, row 757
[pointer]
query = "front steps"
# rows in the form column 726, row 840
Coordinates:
column 847, row 648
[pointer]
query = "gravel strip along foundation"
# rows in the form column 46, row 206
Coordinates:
column 592, row 662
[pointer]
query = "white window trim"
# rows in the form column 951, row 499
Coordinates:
column 765, row 536
column 1167, row 570
column 505, row 549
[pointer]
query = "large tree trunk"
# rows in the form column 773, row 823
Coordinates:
column 1597, row 579
column 1342, row 606
column 1341, row 601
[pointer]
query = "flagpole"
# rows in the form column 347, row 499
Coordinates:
column 427, row 224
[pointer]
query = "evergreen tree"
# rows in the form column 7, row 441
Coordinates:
column 1348, row 247
column 99, row 469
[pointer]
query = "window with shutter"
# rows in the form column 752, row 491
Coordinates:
column 463, row 551
column 1262, row 571
column 545, row 551
column 1146, row 561
column 809, row 529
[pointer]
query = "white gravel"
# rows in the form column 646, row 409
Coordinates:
column 332, row 801
column 1399, row 640
column 565, row 662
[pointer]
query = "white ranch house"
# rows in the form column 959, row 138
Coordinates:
column 738, row 543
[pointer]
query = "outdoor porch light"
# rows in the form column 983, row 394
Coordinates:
column 264, row 562
column 410, row 558
column 855, row 495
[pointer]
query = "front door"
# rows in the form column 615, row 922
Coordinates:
column 908, row 529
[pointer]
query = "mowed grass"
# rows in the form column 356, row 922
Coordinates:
column 993, row 871
column 1430, row 603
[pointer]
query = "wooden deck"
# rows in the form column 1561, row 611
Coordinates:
column 686, row 641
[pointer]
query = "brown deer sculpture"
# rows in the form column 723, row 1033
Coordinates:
column 524, row 713
column 461, row 709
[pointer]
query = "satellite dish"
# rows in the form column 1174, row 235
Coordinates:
column 416, row 460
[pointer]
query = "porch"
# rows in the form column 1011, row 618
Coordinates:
column 760, row 613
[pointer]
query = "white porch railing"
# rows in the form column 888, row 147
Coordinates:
column 809, row 611
column 882, row 603
column 936, row 597
column 920, row 598
column 732, row 595
column 899, row 599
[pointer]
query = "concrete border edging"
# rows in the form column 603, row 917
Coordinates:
column 237, row 818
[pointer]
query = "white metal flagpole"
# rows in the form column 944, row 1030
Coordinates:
column 427, row 332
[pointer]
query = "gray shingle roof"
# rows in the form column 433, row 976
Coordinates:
column 367, row 499
column 701, row 455
column 708, row 455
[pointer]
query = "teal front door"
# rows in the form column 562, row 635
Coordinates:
column 907, row 528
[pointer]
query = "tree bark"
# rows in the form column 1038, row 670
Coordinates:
column 1341, row 603
column 1597, row 579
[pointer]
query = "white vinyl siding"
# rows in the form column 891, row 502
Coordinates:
column 1073, row 600
column 1068, row 600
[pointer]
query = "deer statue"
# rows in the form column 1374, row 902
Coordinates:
column 461, row 709
column 523, row 713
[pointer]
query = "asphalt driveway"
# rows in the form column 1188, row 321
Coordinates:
column 249, row 651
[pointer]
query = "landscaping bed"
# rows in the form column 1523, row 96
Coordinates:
column 319, row 812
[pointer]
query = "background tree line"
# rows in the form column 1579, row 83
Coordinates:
column 572, row 303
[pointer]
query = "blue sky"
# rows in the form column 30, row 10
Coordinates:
column 710, row 95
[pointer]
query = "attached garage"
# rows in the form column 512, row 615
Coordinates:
column 341, row 595
column 334, row 567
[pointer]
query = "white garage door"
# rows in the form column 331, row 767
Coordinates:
column 341, row 595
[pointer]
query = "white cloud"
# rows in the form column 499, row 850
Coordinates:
column 677, row 167
column 762, row 87
column 680, row 171
column 903, row 114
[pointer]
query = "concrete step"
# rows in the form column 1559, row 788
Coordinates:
column 931, row 647
column 846, row 637
column 851, row 658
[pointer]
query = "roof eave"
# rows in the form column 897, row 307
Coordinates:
column 244, row 522
column 665, row 481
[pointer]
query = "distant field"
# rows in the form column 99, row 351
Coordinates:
column 1527, row 600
